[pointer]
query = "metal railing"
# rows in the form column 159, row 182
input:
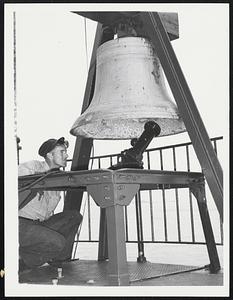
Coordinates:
column 161, row 216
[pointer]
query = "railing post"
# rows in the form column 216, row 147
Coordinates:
column 103, row 238
column 141, row 257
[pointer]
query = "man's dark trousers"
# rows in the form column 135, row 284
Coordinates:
column 52, row 239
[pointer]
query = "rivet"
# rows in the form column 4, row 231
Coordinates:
column 120, row 187
column 122, row 197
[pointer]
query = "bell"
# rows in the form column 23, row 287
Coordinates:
column 129, row 91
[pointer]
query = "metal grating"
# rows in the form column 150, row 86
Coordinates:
column 84, row 272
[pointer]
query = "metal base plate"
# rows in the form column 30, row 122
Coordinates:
column 86, row 272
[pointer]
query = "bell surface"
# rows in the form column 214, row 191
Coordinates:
column 129, row 91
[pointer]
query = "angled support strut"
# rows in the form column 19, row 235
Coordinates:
column 186, row 106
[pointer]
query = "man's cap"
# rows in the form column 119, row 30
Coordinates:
column 50, row 144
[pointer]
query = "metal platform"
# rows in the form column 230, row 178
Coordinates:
column 86, row 272
column 112, row 191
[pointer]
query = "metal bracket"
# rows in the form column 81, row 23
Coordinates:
column 198, row 190
column 106, row 195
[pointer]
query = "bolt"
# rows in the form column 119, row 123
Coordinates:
column 59, row 273
column 122, row 197
column 55, row 281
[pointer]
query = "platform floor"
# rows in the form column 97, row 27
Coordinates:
column 91, row 272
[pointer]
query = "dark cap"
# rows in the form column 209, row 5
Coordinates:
column 50, row 144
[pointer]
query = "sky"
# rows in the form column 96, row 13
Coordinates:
column 52, row 68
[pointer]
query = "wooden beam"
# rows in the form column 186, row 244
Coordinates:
column 111, row 18
column 83, row 145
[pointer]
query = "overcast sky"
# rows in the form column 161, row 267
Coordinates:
column 51, row 74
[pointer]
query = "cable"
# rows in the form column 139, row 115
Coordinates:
column 36, row 181
column 85, row 30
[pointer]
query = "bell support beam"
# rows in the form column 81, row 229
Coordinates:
column 202, row 145
column 114, row 18
column 83, row 146
column 198, row 190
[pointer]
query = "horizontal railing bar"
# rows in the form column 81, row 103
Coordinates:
column 152, row 242
column 152, row 149
column 180, row 145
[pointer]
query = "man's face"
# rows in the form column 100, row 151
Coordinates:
column 59, row 156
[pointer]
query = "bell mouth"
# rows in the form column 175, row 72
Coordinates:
column 129, row 91
column 124, row 129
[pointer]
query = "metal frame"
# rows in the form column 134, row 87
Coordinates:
column 155, row 29
column 187, row 107
column 113, row 190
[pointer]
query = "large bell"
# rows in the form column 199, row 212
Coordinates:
column 129, row 91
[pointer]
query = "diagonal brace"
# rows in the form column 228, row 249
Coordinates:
column 186, row 106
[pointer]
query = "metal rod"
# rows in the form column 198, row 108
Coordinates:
column 190, row 195
column 220, row 222
column 18, row 148
column 110, row 160
column 155, row 242
column 174, row 158
column 177, row 198
column 163, row 195
column 187, row 158
column 126, row 225
column 191, row 216
column 141, row 257
column 161, row 159
column 215, row 147
column 140, row 214
column 208, row 232
column 103, row 237
column 221, row 232
column 151, row 217
column 148, row 159
column 151, row 204
column 89, row 216
column 178, row 214
column 164, row 214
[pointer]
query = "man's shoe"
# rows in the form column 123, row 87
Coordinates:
column 58, row 262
